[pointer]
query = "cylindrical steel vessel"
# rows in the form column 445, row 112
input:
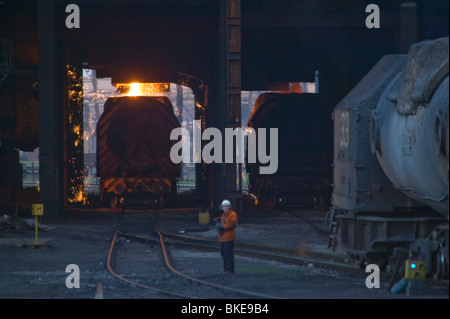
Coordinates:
column 133, row 148
column 409, row 128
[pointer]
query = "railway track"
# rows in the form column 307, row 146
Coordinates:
column 162, row 241
column 135, row 283
column 159, row 240
column 301, row 257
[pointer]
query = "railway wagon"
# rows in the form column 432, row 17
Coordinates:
column 391, row 159
column 304, row 170
column 133, row 151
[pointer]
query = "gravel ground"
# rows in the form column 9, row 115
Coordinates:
column 84, row 238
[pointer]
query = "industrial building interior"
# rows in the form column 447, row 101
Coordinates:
column 271, row 43
column 60, row 64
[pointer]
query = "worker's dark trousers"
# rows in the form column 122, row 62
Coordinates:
column 226, row 251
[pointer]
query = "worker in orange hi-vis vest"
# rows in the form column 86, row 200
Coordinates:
column 227, row 236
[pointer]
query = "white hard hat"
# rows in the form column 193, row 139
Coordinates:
column 226, row 202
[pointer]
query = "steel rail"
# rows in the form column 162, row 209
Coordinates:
column 245, row 249
column 303, row 255
column 169, row 265
column 196, row 280
column 111, row 270
column 258, row 252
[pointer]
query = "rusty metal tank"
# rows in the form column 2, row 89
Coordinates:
column 304, row 126
column 133, row 146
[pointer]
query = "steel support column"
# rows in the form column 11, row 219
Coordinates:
column 233, row 95
column 225, row 96
column 50, row 104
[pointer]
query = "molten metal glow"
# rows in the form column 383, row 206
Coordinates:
column 139, row 89
column 135, row 89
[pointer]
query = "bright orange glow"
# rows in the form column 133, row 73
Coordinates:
column 135, row 89
column 139, row 89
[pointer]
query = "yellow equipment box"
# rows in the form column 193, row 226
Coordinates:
column 203, row 218
column 415, row 269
